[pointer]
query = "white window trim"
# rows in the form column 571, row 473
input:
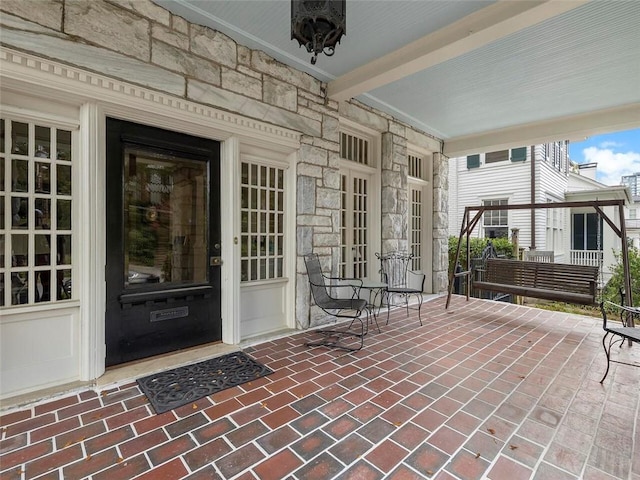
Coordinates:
column 97, row 96
column 374, row 171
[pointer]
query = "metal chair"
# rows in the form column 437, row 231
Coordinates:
column 402, row 282
column 348, row 308
column 626, row 332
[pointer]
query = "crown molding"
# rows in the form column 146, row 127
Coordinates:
column 34, row 75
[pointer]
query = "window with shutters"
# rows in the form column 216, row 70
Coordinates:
column 499, row 156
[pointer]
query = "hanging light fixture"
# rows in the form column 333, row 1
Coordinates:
column 318, row 25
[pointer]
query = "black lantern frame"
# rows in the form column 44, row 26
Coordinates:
column 318, row 25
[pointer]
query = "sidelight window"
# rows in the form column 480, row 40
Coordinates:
column 262, row 222
column 36, row 224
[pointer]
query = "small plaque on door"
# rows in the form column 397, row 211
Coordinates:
column 168, row 314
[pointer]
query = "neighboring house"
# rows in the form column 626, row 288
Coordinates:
column 162, row 184
column 537, row 174
column 633, row 211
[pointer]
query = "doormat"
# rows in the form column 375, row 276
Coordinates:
column 182, row 385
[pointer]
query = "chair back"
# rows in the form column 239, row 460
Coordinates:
column 394, row 267
column 316, row 280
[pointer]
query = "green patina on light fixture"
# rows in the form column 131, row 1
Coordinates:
column 318, row 25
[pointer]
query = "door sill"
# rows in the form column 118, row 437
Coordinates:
column 128, row 372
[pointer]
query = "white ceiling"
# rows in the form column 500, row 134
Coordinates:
column 479, row 74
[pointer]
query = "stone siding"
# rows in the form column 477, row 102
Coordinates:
column 137, row 41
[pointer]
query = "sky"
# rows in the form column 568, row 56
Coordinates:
column 616, row 154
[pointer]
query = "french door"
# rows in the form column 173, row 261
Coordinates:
column 163, row 241
column 355, row 226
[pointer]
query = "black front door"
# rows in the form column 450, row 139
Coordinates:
column 163, row 241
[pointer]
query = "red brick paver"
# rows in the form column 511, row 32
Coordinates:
column 483, row 390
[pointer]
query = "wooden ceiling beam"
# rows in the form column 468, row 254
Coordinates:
column 469, row 33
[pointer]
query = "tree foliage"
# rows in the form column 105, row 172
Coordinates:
column 611, row 290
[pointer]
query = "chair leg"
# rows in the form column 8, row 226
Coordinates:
column 607, row 352
column 332, row 338
column 420, row 307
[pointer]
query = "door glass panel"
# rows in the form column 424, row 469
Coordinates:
column 165, row 219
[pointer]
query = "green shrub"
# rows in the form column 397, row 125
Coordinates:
column 611, row 290
column 502, row 245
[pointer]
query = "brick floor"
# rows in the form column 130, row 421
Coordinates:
column 482, row 390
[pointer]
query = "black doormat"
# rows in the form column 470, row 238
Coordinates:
column 182, row 385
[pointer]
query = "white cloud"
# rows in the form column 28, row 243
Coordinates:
column 610, row 144
column 612, row 165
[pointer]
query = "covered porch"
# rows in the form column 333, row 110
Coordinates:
column 482, row 390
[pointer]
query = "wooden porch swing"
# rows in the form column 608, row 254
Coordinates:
column 539, row 279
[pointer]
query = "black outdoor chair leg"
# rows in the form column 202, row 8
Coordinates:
column 607, row 352
column 332, row 338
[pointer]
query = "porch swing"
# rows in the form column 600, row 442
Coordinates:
column 581, row 284
column 569, row 283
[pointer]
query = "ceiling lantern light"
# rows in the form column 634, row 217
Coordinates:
column 318, row 25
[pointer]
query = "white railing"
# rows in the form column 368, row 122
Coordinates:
column 586, row 257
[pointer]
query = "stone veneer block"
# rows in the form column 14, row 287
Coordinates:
column 306, row 193
column 363, row 117
column 262, row 62
column 280, row 94
column 179, row 24
column 97, row 59
column 313, row 155
column 211, row 95
column 240, row 83
column 47, row 13
column 328, row 198
column 422, row 140
column 331, row 129
column 17, row 23
column 304, row 239
column 181, row 61
column 172, row 37
column 146, row 8
column 213, row 45
column 107, row 25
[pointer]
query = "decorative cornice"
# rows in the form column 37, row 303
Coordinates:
column 79, row 85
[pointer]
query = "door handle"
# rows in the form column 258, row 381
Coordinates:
column 215, row 261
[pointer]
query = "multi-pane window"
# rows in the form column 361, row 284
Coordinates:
column 496, row 222
column 35, row 213
column 587, row 231
column 556, row 155
column 355, row 148
column 416, row 167
column 354, row 224
column 262, row 222
column 415, row 231
column 554, row 229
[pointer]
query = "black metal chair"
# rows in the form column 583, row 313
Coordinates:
column 618, row 334
column 402, row 282
column 351, row 308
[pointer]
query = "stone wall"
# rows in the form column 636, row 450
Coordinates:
column 141, row 43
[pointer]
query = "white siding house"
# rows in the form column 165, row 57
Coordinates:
column 537, row 174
